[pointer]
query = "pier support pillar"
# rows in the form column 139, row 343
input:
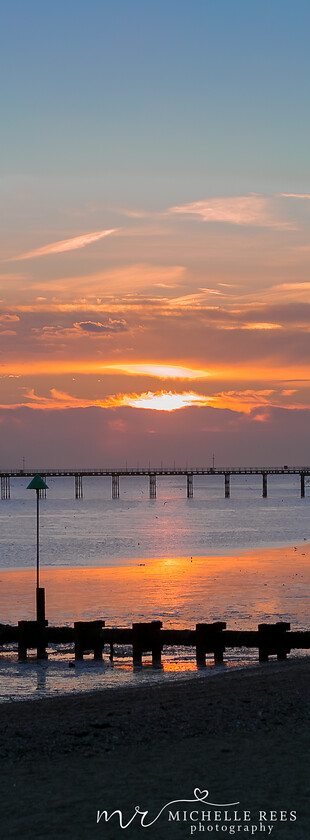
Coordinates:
column 302, row 485
column 153, row 486
column 190, row 485
column 78, row 486
column 115, row 486
column 227, row 485
column 5, row 487
column 264, row 485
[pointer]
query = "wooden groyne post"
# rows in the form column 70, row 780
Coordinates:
column 146, row 638
column 209, row 639
column 32, row 634
column 88, row 636
column 272, row 639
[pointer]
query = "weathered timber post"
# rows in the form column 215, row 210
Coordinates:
column 87, row 636
column 146, row 637
column 78, row 486
column 22, row 639
column 190, row 485
column 41, row 622
column 273, row 640
column 31, row 634
column 115, row 486
column 152, row 485
column 227, row 485
column 302, row 485
column 209, row 639
column 264, row 485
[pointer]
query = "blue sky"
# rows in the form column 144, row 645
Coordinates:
column 215, row 90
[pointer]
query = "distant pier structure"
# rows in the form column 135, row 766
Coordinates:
column 152, row 473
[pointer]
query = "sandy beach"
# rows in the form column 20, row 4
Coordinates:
column 243, row 736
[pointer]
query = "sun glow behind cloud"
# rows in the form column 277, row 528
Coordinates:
column 158, row 401
column 165, row 400
column 244, row 402
column 161, row 371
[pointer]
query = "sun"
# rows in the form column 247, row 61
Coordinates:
column 165, row 400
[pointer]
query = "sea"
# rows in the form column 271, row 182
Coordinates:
column 243, row 560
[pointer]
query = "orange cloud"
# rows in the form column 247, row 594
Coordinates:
column 262, row 326
column 292, row 287
column 238, row 401
column 159, row 400
column 65, row 245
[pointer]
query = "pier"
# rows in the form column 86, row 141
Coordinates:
column 151, row 475
column 209, row 640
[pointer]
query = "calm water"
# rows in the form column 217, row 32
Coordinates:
column 98, row 531
column 132, row 559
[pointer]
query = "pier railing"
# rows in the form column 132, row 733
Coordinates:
column 152, row 473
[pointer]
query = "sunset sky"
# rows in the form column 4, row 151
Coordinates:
column 154, row 246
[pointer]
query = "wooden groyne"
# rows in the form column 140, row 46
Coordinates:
column 208, row 640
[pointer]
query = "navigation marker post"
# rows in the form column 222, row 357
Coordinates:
column 38, row 484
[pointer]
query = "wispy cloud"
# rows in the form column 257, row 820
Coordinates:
column 109, row 283
column 12, row 278
column 253, row 210
column 294, row 195
column 160, row 371
column 65, row 245
column 262, row 326
column 293, row 287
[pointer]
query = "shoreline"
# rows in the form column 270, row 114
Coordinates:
column 273, row 671
column 244, row 736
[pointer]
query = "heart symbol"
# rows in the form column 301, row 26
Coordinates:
column 200, row 794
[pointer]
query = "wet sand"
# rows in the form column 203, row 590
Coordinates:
column 243, row 735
